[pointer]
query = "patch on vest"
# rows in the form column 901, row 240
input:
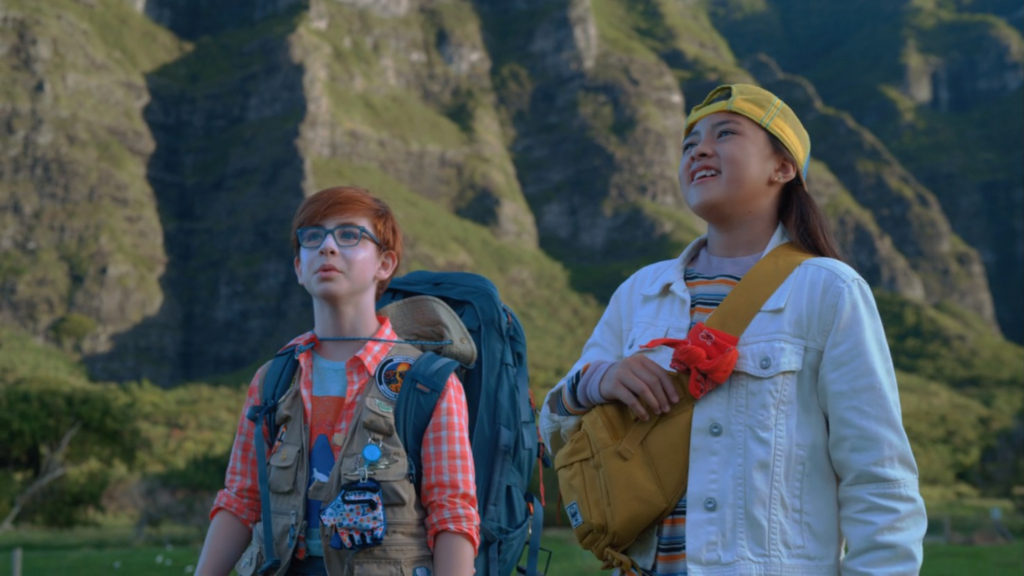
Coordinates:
column 573, row 512
column 391, row 373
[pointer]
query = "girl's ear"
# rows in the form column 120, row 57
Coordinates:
column 785, row 170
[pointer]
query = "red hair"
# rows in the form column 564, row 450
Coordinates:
column 351, row 201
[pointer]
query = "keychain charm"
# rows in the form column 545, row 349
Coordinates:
column 357, row 514
column 371, row 454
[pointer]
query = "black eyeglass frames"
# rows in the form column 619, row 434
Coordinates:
column 344, row 235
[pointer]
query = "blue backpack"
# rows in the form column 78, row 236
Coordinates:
column 502, row 425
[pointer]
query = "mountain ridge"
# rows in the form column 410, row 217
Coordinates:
column 553, row 125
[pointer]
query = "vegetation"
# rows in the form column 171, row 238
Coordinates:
column 947, row 344
column 67, row 440
column 57, row 429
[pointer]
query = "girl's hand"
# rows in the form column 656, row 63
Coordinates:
column 641, row 384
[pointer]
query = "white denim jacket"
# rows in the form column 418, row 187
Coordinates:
column 801, row 449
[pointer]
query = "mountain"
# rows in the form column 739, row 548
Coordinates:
column 155, row 150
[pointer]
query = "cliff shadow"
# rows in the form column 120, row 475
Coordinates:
column 227, row 177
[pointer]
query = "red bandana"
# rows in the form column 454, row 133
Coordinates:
column 708, row 354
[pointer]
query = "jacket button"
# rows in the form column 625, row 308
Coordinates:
column 715, row 429
column 766, row 363
column 710, row 504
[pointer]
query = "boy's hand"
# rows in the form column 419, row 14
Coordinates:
column 641, row 384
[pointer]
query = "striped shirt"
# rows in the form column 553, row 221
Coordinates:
column 448, row 491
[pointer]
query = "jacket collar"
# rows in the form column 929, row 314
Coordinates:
column 672, row 277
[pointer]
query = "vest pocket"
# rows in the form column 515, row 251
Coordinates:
column 422, row 566
column 283, row 469
column 397, row 492
column 251, row 559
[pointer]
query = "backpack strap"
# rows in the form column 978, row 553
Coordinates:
column 420, row 392
column 536, row 508
column 276, row 382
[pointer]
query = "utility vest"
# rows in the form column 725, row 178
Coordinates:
column 404, row 550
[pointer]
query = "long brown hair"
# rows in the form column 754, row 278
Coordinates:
column 799, row 213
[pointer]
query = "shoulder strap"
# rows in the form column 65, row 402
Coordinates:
column 420, row 392
column 758, row 284
column 276, row 382
column 536, row 510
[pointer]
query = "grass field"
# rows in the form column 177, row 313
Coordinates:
column 952, row 560
column 78, row 554
column 140, row 560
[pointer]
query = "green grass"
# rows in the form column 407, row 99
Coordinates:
column 954, row 560
column 22, row 356
column 567, row 559
column 134, row 560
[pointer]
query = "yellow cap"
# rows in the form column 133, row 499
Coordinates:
column 763, row 107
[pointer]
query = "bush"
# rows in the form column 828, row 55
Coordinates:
column 70, row 330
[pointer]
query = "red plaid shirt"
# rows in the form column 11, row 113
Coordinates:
column 448, row 491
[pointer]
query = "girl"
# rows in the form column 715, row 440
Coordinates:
column 803, row 447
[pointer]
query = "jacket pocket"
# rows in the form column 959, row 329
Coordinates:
column 769, row 359
column 763, row 382
column 284, row 469
column 392, row 469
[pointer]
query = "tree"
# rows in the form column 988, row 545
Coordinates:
column 54, row 431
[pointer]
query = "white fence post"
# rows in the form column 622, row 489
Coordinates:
column 16, row 562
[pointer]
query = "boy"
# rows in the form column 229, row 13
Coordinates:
column 347, row 248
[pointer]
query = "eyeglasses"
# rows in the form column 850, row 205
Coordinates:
column 344, row 235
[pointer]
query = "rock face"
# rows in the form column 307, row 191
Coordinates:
column 941, row 89
column 150, row 175
column 81, row 248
